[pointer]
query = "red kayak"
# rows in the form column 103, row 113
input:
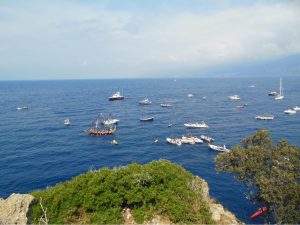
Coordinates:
column 259, row 212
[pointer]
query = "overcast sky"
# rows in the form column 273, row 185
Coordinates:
column 64, row 39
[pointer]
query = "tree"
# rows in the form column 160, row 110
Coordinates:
column 271, row 173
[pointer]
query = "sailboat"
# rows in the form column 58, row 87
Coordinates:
column 98, row 130
column 280, row 96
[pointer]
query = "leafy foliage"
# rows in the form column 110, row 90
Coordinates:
column 157, row 188
column 271, row 173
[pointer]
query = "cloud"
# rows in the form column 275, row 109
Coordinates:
column 85, row 40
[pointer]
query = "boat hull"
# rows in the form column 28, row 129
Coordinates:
column 115, row 98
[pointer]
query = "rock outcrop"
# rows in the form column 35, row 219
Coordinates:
column 14, row 209
column 219, row 214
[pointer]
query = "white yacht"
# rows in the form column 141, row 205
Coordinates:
column 174, row 141
column 290, row 111
column 280, row 96
column 234, row 97
column 266, row 117
column 67, row 122
column 146, row 101
column 196, row 125
column 191, row 140
column 207, row 138
column 22, row 107
column 190, row 95
column 116, row 96
column 165, row 105
column 296, row 108
column 218, row 148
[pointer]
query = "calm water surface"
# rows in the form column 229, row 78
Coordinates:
column 37, row 150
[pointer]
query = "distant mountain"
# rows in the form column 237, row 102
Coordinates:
column 288, row 66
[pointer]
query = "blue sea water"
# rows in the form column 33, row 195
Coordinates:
column 37, row 150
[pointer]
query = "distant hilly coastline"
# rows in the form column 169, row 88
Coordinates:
column 157, row 192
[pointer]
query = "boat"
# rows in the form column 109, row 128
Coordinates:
column 207, row 138
column 190, row 95
column 259, row 212
column 174, row 141
column 280, row 96
column 296, row 108
column 252, row 86
column 22, row 107
column 147, row 119
column 266, row 117
column 204, row 98
column 114, row 142
column 170, row 125
column 67, row 122
column 273, row 93
column 234, row 97
column 241, row 106
column 218, row 148
column 196, row 125
column 166, row 105
column 97, row 130
column 109, row 122
column 191, row 140
column 290, row 111
column 146, row 101
column 116, row 96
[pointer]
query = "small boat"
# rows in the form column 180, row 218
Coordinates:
column 166, row 105
column 190, row 95
column 234, row 97
column 156, row 141
column 252, row 86
column 264, row 117
column 272, row 93
column 290, row 111
column 97, row 130
column 114, row 142
column 196, row 125
column 170, row 125
column 22, row 107
column 259, row 212
column 147, row 119
column 191, row 140
column 218, row 148
column 108, row 122
column 67, row 122
column 207, row 138
column 280, row 96
column 116, row 96
column 296, row 108
column 204, row 98
column 241, row 106
column 146, row 101
column 174, row 141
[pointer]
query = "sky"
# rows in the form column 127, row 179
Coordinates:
column 88, row 39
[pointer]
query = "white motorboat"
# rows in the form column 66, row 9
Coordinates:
column 280, row 96
column 218, row 148
column 22, row 107
column 290, row 111
column 108, row 122
column 296, row 108
column 196, row 125
column 266, row 117
column 191, row 140
column 146, row 119
column 67, row 122
column 174, row 141
column 116, row 96
column 207, row 138
column 166, row 105
column 273, row 93
column 190, row 95
column 146, row 101
column 234, row 97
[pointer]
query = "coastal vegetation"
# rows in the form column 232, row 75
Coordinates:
column 157, row 188
column 271, row 172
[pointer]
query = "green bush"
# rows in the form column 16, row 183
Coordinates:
column 157, row 188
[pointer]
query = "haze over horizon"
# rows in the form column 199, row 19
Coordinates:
column 64, row 39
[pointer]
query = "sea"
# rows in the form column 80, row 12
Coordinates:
column 38, row 151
